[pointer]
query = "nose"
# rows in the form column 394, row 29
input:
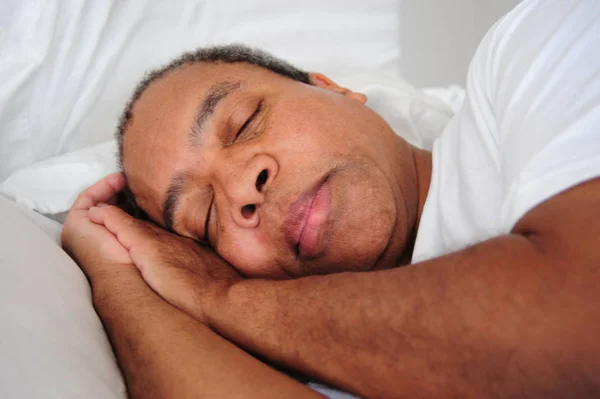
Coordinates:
column 247, row 189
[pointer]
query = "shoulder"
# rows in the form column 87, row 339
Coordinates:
column 535, row 42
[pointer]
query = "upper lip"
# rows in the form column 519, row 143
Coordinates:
column 297, row 214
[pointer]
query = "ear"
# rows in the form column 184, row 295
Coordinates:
column 322, row 81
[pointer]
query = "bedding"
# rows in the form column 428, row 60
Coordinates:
column 52, row 344
column 67, row 67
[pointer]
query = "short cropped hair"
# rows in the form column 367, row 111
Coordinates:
column 231, row 54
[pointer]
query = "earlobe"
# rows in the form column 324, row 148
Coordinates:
column 322, row 81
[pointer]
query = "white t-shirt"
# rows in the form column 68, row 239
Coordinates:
column 529, row 127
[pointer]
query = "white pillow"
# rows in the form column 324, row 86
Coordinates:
column 67, row 67
column 52, row 344
column 51, row 186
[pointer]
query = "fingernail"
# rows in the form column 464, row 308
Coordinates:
column 102, row 205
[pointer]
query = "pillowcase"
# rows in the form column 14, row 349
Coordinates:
column 51, row 186
column 52, row 344
column 67, row 67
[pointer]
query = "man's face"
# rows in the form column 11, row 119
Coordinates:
column 281, row 178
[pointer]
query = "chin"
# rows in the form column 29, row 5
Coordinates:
column 362, row 224
column 364, row 255
column 356, row 245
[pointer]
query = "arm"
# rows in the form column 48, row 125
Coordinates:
column 517, row 315
column 163, row 352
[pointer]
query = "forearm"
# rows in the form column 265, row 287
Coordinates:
column 164, row 353
column 497, row 318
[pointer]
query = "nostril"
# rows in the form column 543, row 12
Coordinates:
column 248, row 211
column 261, row 179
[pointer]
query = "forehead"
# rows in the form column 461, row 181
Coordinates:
column 154, row 146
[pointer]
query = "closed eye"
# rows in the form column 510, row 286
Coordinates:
column 248, row 122
column 207, row 222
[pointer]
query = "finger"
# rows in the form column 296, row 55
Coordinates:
column 101, row 191
column 128, row 230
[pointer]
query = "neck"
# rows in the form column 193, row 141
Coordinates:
column 423, row 169
column 422, row 162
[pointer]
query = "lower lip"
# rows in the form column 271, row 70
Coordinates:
column 311, row 237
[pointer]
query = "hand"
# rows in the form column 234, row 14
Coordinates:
column 95, row 249
column 191, row 277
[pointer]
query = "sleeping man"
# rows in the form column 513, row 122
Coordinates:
column 279, row 209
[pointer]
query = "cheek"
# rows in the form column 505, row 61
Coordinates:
column 318, row 130
column 250, row 252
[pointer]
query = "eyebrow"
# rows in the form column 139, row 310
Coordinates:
column 218, row 92
column 172, row 198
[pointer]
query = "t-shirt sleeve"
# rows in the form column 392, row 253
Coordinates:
column 538, row 70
